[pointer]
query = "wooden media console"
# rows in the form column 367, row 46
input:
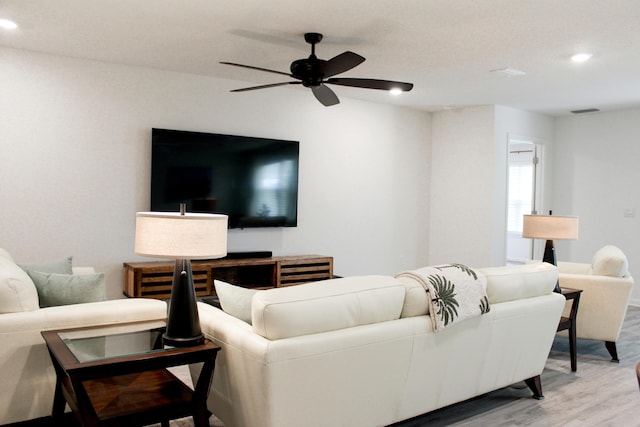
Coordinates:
column 153, row 279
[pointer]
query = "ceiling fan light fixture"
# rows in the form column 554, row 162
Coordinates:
column 395, row 91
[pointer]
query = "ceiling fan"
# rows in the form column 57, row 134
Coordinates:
column 316, row 73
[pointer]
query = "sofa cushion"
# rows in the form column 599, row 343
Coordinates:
column 326, row 306
column 416, row 301
column 17, row 291
column 511, row 283
column 59, row 266
column 610, row 261
column 64, row 289
column 235, row 300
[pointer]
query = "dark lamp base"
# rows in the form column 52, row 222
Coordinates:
column 182, row 342
column 550, row 257
column 183, row 322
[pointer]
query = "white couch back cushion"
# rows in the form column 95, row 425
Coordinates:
column 517, row 282
column 326, row 306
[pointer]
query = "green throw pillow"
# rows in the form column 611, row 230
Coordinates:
column 64, row 289
column 235, row 300
column 60, row 266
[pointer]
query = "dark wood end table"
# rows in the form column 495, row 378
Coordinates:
column 117, row 375
column 570, row 322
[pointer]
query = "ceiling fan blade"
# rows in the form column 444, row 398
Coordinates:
column 265, row 86
column 371, row 84
column 341, row 63
column 256, row 68
column 325, row 95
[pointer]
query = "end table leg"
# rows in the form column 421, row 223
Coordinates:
column 201, row 413
column 58, row 404
column 572, row 346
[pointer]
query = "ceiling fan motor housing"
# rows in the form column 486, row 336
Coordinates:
column 309, row 70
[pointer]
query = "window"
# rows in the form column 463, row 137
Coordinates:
column 520, row 194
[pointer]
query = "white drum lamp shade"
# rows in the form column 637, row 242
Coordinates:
column 550, row 228
column 188, row 236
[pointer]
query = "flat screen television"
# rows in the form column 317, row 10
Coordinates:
column 252, row 180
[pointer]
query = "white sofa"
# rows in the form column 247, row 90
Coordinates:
column 26, row 372
column 362, row 352
column 606, row 289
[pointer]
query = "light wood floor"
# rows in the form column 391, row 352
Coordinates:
column 600, row 393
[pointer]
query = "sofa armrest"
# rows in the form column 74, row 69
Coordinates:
column 574, row 267
column 603, row 304
column 224, row 329
column 79, row 315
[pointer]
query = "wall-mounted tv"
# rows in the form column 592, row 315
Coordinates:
column 252, row 180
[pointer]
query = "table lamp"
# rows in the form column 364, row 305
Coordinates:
column 550, row 227
column 181, row 236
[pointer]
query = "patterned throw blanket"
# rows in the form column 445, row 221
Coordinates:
column 456, row 292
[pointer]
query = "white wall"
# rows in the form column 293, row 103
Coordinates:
column 75, row 164
column 596, row 178
column 462, row 170
column 469, row 180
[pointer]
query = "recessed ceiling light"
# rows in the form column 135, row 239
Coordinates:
column 509, row 71
column 7, row 24
column 395, row 91
column 581, row 57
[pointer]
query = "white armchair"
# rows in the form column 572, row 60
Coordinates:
column 606, row 288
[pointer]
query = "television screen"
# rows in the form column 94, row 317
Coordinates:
column 252, row 180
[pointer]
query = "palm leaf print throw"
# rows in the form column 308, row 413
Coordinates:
column 456, row 292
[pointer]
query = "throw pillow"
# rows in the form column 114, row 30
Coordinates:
column 60, row 266
column 235, row 300
column 64, row 289
column 17, row 292
column 610, row 261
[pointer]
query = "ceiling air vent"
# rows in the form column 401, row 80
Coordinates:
column 586, row 110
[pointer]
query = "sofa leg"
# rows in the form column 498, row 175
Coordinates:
column 611, row 347
column 535, row 385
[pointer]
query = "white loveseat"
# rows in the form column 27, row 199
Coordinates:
column 26, row 373
column 362, row 352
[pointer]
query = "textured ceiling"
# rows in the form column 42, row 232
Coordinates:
column 446, row 48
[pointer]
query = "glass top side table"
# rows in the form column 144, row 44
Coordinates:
column 117, row 374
